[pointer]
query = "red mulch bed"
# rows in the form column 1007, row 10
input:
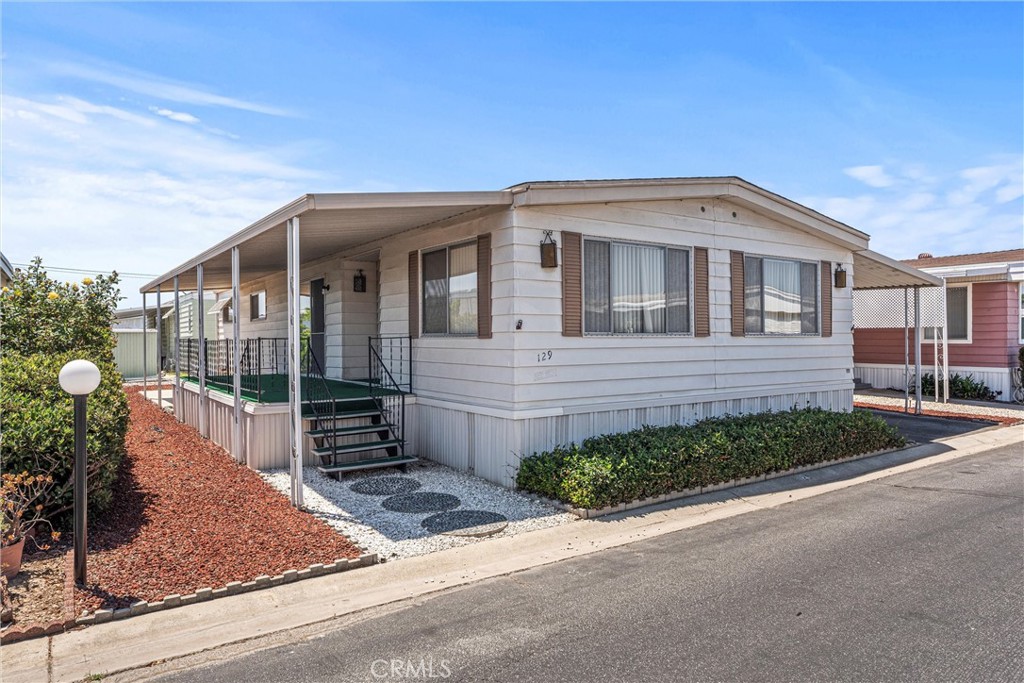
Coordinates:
column 186, row 516
column 944, row 413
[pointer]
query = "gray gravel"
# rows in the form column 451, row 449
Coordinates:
column 394, row 535
column 966, row 409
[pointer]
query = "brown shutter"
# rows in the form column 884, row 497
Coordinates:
column 414, row 294
column 826, row 298
column 701, row 302
column 483, row 286
column 736, row 258
column 572, row 284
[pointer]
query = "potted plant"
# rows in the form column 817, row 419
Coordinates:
column 20, row 496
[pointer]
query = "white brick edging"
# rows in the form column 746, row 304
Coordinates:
column 587, row 513
column 231, row 588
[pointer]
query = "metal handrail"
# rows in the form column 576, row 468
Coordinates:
column 389, row 398
column 394, row 353
column 317, row 393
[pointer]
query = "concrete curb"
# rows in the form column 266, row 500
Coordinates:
column 100, row 616
column 592, row 513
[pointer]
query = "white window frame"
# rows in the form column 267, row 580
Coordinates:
column 1020, row 305
column 926, row 333
column 255, row 313
column 423, row 291
column 817, row 302
column 583, row 289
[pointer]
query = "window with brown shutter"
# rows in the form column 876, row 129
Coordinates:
column 701, row 298
column 483, row 286
column 414, row 294
column 738, row 287
column 776, row 296
column 572, row 284
column 449, row 278
column 826, row 298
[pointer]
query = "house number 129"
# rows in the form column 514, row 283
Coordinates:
column 543, row 356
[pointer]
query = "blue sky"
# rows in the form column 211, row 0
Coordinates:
column 136, row 135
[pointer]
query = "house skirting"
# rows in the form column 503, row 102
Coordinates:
column 490, row 443
column 882, row 376
column 487, row 442
column 265, row 427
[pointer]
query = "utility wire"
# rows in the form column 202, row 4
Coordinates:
column 84, row 271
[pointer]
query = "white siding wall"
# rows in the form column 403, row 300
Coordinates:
column 599, row 370
column 467, row 369
column 276, row 322
column 358, row 316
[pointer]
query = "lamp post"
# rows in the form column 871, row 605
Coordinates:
column 80, row 378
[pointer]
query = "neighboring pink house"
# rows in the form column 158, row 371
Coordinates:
column 984, row 323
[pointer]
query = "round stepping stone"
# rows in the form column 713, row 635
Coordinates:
column 477, row 523
column 384, row 486
column 421, row 502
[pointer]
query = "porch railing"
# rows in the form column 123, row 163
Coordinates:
column 393, row 354
column 317, row 395
column 389, row 397
column 261, row 357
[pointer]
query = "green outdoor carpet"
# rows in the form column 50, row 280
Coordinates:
column 274, row 388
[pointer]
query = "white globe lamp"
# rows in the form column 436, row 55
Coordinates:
column 79, row 377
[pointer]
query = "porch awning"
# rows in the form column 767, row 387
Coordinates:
column 220, row 304
column 329, row 223
column 872, row 270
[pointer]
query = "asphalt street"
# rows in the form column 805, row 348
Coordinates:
column 917, row 576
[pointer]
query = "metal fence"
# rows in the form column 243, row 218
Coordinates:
column 259, row 358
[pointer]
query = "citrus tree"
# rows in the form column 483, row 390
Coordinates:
column 44, row 323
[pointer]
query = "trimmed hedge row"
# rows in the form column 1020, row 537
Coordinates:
column 653, row 461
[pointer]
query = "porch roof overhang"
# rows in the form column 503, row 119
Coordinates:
column 345, row 222
column 329, row 223
column 876, row 271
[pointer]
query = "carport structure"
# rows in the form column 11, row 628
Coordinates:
column 893, row 295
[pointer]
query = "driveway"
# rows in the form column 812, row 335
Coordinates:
column 923, row 428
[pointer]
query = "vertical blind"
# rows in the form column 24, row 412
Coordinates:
column 780, row 296
column 635, row 289
column 462, row 302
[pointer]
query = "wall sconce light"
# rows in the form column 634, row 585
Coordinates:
column 324, row 288
column 840, row 277
column 359, row 282
column 548, row 251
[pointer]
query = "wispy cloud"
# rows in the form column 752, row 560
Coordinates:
column 105, row 187
column 179, row 116
column 919, row 209
column 152, row 85
column 875, row 176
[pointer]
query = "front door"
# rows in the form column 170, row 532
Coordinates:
column 317, row 322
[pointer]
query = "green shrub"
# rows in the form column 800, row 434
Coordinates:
column 960, row 386
column 44, row 325
column 652, row 461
